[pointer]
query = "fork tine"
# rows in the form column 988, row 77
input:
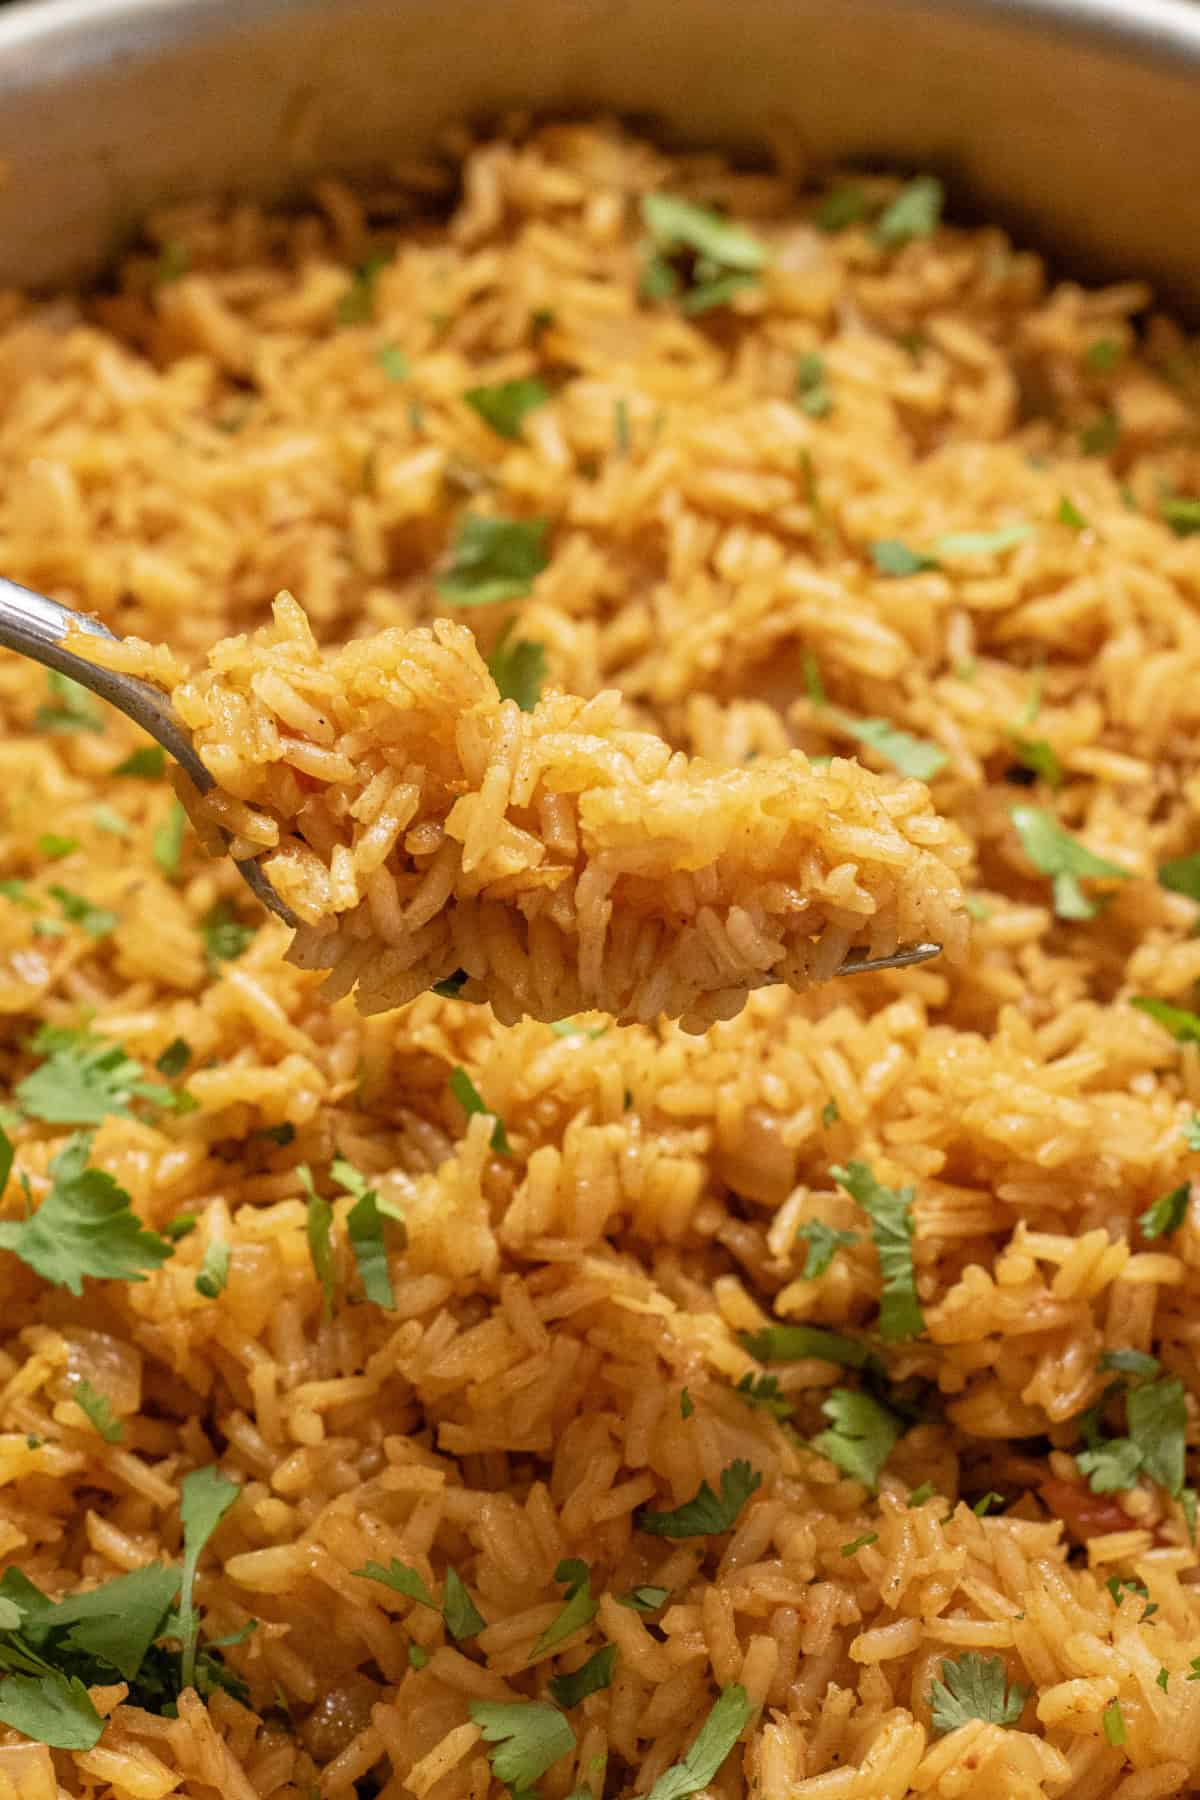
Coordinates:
column 905, row 958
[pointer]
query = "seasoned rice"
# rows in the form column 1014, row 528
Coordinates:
column 586, row 1230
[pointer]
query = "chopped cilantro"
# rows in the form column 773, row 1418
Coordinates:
column 181, row 1226
column 910, row 755
column 985, row 1503
column 1038, row 755
column 891, row 557
column 921, row 1494
column 417, row 1657
column 71, row 709
column 175, row 1058
column 504, row 405
column 1166, row 1214
column 97, row 921
column 214, row 1271
column 593, row 1675
column 861, row 1436
column 83, row 1080
column 1181, row 874
column 393, row 362
column 54, row 847
column 97, row 1411
column 471, row 1101
column 681, row 225
column 1113, row 1721
column 357, row 304
column 205, row 1498
column 225, row 938
column 1183, row 1025
column 824, row 1242
column 52, row 1709
column 1130, row 1362
column 404, row 1580
column 147, row 763
column 579, row 1608
column 452, row 986
column 860, row 1543
column 462, row 1616
column 1111, row 1465
column 763, row 1391
column 530, row 1736
column 687, row 1405
column 168, row 839
column 1182, row 514
column 646, row 1599
column 975, row 1687
column 365, row 1229
column 1162, row 1679
column 1069, row 514
column 518, row 669
column 1102, row 355
column 714, row 1741
column 319, row 1230
column 844, row 205
column 105, row 819
column 1157, row 1416
column 791, row 1343
column 493, row 559
column 1098, row 438
column 890, row 1213
column 981, row 543
column 706, row 1513
column 830, row 1113
column 915, row 212
column 812, row 390
column 1054, row 852
column 84, row 1226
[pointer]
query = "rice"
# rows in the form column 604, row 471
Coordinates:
column 585, row 1231
column 423, row 829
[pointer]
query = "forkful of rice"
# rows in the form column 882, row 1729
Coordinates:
column 418, row 831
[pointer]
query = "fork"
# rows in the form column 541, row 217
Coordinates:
column 35, row 626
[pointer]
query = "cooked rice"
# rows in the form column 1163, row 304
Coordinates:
column 172, row 454
column 418, row 825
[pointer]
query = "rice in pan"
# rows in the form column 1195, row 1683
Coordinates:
column 804, row 1409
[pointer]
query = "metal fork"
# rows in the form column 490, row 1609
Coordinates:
column 35, row 627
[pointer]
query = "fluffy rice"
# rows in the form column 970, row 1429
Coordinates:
column 172, row 454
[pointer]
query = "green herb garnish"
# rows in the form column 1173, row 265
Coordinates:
column 493, row 559
column 505, row 405
column 85, row 1225
column 472, row 1101
column 975, row 1687
column 706, row 1513
column 1054, row 852
column 890, row 1213
column 861, row 1436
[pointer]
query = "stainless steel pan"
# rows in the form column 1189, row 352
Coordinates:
column 1078, row 120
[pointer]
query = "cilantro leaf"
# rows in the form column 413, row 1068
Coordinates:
column 1113, row 1721
column 97, row 1411
column 891, row 557
column 910, row 755
column 52, row 1709
column 1166, row 1214
column 146, row 764
column 452, row 986
column 97, row 921
column 1181, row 874
column 687, row 1405
column 1184, row 1026
column 365, row 1229
column 504, row 405
column 844, row 205
column 1157, row 1417
column 1130, row 1362
column 83, row 1080
column 1054, row 852
column 706, row 1513
column 1069, row 514
column 1182, row 514
column 975, row 1687
column 890, row 1213
column 1039, row 755
column 117, row 1622
column 860, row 1543
column 472, row 1101
column 763, row 1391
column 72, row 708
column 214, row 1271
column 462, row 1616
column 681, row 225
column 593, row 1675
column 181, row 1226
column 205, row 1499
column 830, row 1114
column 84, row 1226
column 225, row 938
column 53, row 847
column 812, row 390
column 1111, row 1465
column 319, row 1229
column 791, row 1343
column 392, row 360
column 357, row 304
column 1101, row 356
column 167, row 842
column 921, row 1494
column 578, row 1610
column 404, row 1580
column 981, row 543
column 518, row 669
column 861, row 1437
column 713, row 1742
column 105, row 818
column 915, row 212
column 175, row 1058
column 645, row 1599
column 531, row 1734
column 493, row 559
